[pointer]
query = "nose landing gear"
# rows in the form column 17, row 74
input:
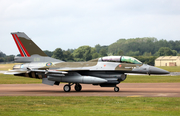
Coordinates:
column 116, row 89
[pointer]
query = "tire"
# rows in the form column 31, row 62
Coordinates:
column 116, row 89
column 78, row 87
column 67, row 88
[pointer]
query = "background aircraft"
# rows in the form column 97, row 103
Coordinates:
column 106, row 71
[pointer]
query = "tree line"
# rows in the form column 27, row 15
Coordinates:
column 145, row 49
column 147, row 46
column 5, row 58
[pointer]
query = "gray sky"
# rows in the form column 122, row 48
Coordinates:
column 74, row 23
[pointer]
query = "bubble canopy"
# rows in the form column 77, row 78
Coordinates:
column 121, row 59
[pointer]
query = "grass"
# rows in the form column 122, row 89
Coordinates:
column 151, row 79
column 7, row 66
column 171, row 68
column 10, row 79
column 98, row 106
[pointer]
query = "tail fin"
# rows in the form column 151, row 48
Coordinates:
column 26, row 46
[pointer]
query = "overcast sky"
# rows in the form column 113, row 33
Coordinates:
column 70, row 24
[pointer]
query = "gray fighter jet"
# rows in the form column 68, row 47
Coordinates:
column 106, row 71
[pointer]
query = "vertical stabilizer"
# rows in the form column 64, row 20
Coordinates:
column 26, row 46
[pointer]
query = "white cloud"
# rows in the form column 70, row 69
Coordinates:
column 71, row 24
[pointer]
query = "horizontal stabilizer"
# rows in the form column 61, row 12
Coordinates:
column 35, row 58
column 13, row 72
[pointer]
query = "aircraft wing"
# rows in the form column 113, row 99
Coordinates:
column 36, row 71
column 50, row 71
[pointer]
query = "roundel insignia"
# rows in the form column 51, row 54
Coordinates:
column 49, row 64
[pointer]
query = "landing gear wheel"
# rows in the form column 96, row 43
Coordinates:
column 78, row 87
column 116, row 89
column 67, row 88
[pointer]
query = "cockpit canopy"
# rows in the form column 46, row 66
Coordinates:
column 121, row 59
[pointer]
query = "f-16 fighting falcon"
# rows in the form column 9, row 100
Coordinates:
column 105, row 71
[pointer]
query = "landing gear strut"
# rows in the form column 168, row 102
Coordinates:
column 116, row 89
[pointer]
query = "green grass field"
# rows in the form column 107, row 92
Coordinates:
column 171, row 68
column 99, row 106
column 89, row 106
column 6, row 66
column 11, row 79
column 151, row 79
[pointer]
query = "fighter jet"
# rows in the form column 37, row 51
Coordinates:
column 106, row 71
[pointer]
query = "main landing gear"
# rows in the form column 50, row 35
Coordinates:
column 77, row 87
column 67, row 88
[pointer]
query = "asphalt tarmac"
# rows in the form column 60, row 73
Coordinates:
column 126, row 90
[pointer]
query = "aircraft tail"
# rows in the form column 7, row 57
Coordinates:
column 26, row 46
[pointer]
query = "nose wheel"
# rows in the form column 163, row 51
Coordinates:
column 116, row 89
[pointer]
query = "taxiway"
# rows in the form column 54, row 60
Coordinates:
column 126, row 90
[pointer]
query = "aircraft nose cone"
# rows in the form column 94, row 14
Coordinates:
column 155, row 70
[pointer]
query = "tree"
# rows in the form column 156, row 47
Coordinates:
column 131, row 53
column 166, row 51
column 95, row 55
column 174, row 52
column 67, row 56
column 133, row 44
column 120, row 53
column 2, row 54
column 9, row 58
column 147, row 54
column 98, row 48
column 1, row 59
column 58, row 54
column 103, row 52
column 71, row 50
column 47, row 52
column 83, row 53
